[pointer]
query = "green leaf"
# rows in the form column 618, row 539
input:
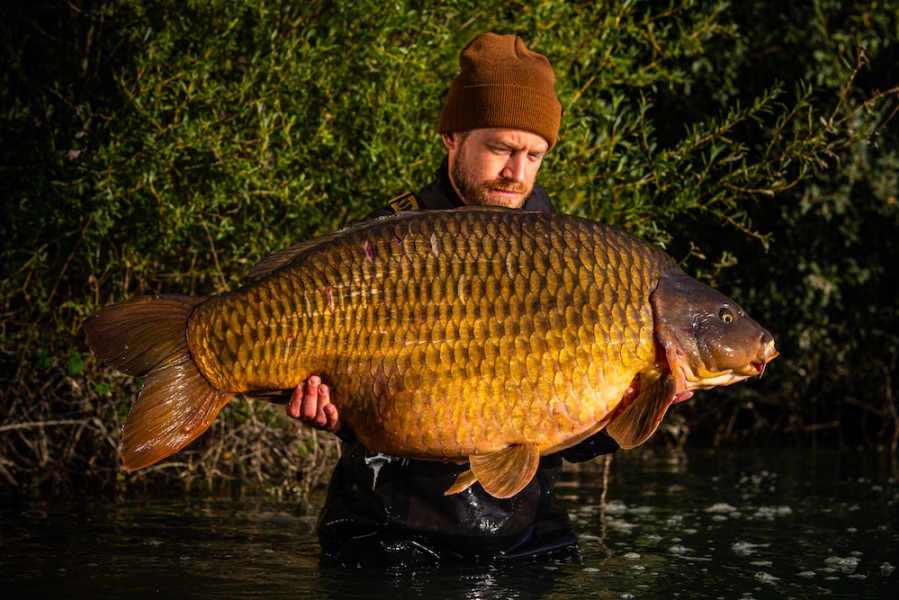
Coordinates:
column 75, row 364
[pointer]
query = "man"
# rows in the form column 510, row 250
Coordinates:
column 500, row 118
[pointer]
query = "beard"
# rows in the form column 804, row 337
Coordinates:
column 478, row 193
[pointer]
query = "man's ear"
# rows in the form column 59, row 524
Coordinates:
column 450, row 140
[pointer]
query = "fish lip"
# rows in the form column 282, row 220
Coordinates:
column 687, row 379
column 767, row 355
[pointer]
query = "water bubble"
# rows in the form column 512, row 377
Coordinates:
column 845, row 564
column 746, row 548
column 621, row 525
column 766, row 577
column 721, row 507
column 771, row 512
column 615, row 507
column 674, row 521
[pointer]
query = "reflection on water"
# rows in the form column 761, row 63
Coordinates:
column 750, row 524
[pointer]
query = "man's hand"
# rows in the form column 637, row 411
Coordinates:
column 311, row 404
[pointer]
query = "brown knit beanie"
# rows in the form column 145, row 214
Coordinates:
column 502, row 84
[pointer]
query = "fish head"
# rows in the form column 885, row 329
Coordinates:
column 705, row 338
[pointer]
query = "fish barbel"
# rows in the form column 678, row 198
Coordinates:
column 478, row 335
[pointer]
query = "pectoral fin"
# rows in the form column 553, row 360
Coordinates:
column 640, row 420
column 503, row 473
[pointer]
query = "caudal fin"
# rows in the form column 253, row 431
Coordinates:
column 148, row 336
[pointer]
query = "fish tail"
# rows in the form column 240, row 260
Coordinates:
column 147, row 336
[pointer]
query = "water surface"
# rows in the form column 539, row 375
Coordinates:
column 699, row 524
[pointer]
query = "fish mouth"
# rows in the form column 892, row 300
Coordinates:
column 689, row 378
column 768, row 354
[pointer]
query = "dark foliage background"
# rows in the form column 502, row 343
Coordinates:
column 163, row 146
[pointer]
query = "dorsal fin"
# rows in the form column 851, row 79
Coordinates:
column 284, row 257
column 288, row 255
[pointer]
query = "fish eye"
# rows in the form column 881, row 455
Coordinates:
column 726, row 315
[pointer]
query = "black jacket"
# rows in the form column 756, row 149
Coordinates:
column 383, row 510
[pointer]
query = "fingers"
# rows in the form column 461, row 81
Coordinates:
column 334, row 423
column 310, row 410
column 295, row 403
column 311, row 404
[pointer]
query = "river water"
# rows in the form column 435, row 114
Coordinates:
column 745, row 524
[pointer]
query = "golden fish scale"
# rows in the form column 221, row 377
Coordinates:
column 448, row 334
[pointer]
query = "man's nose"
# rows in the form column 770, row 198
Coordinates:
column 514, row 169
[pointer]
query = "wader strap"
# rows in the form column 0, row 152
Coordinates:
column 407, row 201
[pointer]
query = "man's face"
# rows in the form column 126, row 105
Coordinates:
column 494, row 167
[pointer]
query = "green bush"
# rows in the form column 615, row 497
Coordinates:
column 167, row 146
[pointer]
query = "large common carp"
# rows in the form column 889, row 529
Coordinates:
column 488, row 336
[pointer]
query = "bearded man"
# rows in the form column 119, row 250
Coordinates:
column 500, row 118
